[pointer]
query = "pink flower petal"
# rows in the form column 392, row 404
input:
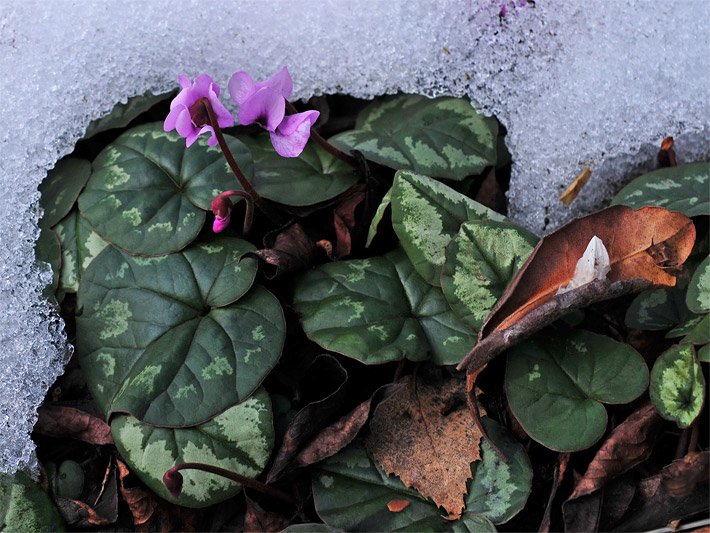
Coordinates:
column 265, row 106
column 281, row 82
column 183, row 124
column 184, row 81
column 241, row 87
column 224, row 117
column 220, row 224
column 291, row 136
column 172, row 117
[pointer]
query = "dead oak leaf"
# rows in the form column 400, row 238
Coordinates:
column 425, row 434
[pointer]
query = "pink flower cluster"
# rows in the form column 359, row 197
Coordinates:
column 263, row 103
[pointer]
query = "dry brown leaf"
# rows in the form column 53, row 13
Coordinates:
column 425, row 434
column 257, row 519
column 575, row 187
column 681, row 477
column 666, row 155
column 293, row 250
column 344, row 219
column 629, row 444
column 141, row 502
column 645, row 248
column 397, row 506
column 63, row 421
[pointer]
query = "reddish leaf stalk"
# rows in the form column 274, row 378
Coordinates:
column 332, row 150
column 173, row 480
column 249, row 213
column 241, row 178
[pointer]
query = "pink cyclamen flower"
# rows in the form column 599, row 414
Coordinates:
column 265, row 104
column 222, row 209
column 187, row 110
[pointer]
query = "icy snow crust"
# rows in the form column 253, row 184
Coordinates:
column 576, row 83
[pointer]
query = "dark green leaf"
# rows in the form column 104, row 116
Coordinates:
column 61, row 188
column 426, row 215
column 24, row 506
column 377, row 218
column 379, row 310
column 480, row 262
column 69, row 480
column 172, row 340
column 556, row 386
column 698, row 297
column 351, row 492
column 658, row 309
column 699, row 333
column 704, row 354
column 148, row 193
column 122, row 114
column 677, row 385
column 314, row 176
column 442, row 137
column 239, row 439
column 683, row 188
column 80, row 245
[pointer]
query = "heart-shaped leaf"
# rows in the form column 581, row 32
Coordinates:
column 426, row 215
column 677, row 385
column 704, row 354
column 61, row 188
column 172, row 340
column 698, row 297
column 443, row 137
column 49, row 250
column 379, row 310
column 313, row 177
column 351, row 492
column 556, row 386
column 24, row 506
column 148, row 193
column 122, row 114
column 239, row 439
column 658, row 309
column 683, row 188
column 80, row 245
column 480, row 262
column 691, row 327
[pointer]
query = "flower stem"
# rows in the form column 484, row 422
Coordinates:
column 332, row 150
column 248, row 213
column 173, row 474
column 241, row 178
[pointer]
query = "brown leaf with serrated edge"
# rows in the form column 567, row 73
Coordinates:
column 629, row 444
column 397, row 506
column 574, row 188
column 63, row 421
column 256, row 519
column 425, row 434
column 645, row 248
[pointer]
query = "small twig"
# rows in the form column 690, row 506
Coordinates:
column 487, row 348
column 173, row 480
column 332, row 150
column 558, row 476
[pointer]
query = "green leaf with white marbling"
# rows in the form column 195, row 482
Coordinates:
column 240, row 439
column 80, row 245
column 699, row 333
column 175, row 339
column 556, row 385
column 698, row 296
column 378, row 310
column 148, row 193
column 377, row 218
column 351, row 492
column 704, row 354
column 60, row 189
column 48, row 250
column 658, row 309
column 677, row 385
column 313, row 177
column 426, row 215
column 683, row 188
column 25, row 507
column 480, row 262
column 442, row 137
column 122, row 114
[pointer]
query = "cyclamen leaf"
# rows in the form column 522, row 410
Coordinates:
column 677, row 385
column 61, row 188
column 351, row 492
column 426, row 215
column 480, row 262
column 683, row 188
column 24, row 506
column 698, row 297
column 379, row 310
column 239, row 439
column 319, row 175
column 122, row 114
column 658, row 309
column 176, row 339
column 556, row 386
column 443, row 137
column 149, row 193
column 80, row 245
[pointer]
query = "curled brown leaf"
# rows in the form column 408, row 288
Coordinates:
column 63, row 421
